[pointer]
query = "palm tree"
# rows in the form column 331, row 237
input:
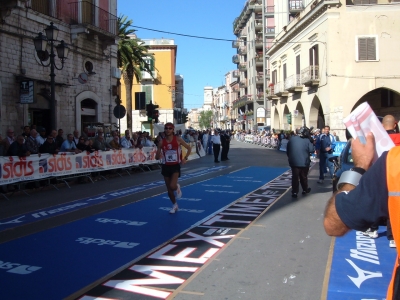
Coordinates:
column 131, row 59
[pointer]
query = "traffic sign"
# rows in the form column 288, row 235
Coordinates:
column 119, row 111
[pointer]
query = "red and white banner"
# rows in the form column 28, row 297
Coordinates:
column 15, row 169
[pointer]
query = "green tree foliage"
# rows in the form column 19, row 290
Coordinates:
column 131, row 59
column 205, row 119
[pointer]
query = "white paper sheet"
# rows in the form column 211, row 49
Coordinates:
column 363, row 120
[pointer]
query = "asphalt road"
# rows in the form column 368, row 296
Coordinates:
column 284, row 254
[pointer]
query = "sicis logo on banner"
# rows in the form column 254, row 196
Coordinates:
column 89, row 161
column 17, row 168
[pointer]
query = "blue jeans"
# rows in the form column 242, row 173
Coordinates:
column 323, row 163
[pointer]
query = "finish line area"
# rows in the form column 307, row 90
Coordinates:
column 58, row 262
column 361, row 267
column 140, row 251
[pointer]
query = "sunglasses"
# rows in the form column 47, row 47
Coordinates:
column 168, row 128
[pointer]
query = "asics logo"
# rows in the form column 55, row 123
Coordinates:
column 15, row 221
column 115, row 221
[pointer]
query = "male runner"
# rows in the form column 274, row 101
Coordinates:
column 170, row 146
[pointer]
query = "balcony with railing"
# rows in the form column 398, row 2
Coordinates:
column 269, row 11
column 280, row 90
column 256, row 5
column 243, row 67
column 295, row 6
column 235, row 59
column 260, row 78
column 86, row 16
column 243, row 83
column 271, row 92
column 258, row 24
column 258, row 42
column 267, row 74
column 242, row 50
column 149, row 76
column 293, row 84
column 259, row 60
column 242, row 101
column 236, row 44
column 260, row 96
column 310, row 76
column 236, row 74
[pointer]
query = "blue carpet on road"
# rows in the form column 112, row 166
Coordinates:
column 361, row 267
column 55, row 263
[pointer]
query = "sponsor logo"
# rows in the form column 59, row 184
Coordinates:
column 17, row 268
column 366, row 251
column 57, row 210
column 59, row 163
column 101, row 242
column 117, row 158
column 19, row 168
column 15, row 221
column 196, row 211
column 115, row 221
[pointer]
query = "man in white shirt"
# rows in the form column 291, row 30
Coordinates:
column 76, row 137
column 126, row 140
column 41, row 137
column 68, row 145
column 216, row 141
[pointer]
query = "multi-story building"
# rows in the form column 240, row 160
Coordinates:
column 255, row 29
column 159, row 87
column 331, row 58
column 82, row 90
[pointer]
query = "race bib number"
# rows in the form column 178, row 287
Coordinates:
column 171, row 156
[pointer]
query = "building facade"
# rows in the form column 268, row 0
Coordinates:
column 159, row 87
column 333, row 57
column 82, row 88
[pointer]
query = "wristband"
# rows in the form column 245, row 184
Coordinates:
column 358, row 170
column 351, row 177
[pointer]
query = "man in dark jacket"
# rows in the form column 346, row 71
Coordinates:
column 49, row 146
column 18, row 148
column 298, row 151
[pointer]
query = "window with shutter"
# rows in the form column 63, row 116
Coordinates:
column 149, row 93
column 297, row 64
column 284, row 72
column 366, row 49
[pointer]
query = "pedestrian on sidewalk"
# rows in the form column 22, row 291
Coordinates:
column 216, row 142
column 298, row 151
column 169, row 148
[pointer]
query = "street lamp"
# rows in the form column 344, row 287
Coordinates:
column 41, row 43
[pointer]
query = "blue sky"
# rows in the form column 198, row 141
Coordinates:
column 201, row 62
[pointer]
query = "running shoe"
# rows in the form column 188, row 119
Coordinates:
column 373, row 234
column 174, row 209
column 320, row 181
column 178, row 192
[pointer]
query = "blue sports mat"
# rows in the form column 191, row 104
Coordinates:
column 55, row 263
column 361, row 267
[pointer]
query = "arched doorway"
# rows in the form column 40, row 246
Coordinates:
column 382, row 101
column 88, row 109
column 297, row 121
column 316, row 119
column 276, row 119
column 286, row 125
